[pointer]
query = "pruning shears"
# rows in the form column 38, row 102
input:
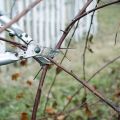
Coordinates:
column 33, row 49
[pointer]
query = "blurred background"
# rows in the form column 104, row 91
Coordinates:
column 47, row 20
column 45, row 24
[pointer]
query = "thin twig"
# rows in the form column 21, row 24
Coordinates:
column 39, row 92
column 68, row 112
column 60, row 63
column 88, row 86
column 11, row 11
column 86, row 43
column 92, row 10
column 37, row 73
column 96, row 73
column 69, row 42
column 51, row 86
column 63, row 38
column 69, row 27
column 78, row 17
column 103, row 67
column 81, row 14
column 86, row 46
column 19, row 16
column 73, row 95
column 79, row 106
column 83, row 58
column 116, row 35
column 19, row 45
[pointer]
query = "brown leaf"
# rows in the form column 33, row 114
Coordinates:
column 69, row 98
column 95, row 87
column 19, row 96
column 15, row 76
column 50, row 66
column 54, row 105
column 58, row 70
column 117, row 93
column 90, row 50
column 90, row 38
column 23, row 62
column 84, row 98
column 87, row 111
column 24, row 116
column 61, row 117
column 29, row 82
column 50, row 110
column 13, row 46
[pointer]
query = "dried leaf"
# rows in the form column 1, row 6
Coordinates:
column 15, row 76
column 90, row 50
column 29, row 82
column 84, row 98
column 19, row 96
column 61, row 117
column 50, row 66
column 13, row 46
column 27, row 106
column 95, row 87
column 54, row 105
column 58, row 70
column 24, row 116
column 50, row 110
column 117, row 93
column 23, row 62
column 87, row 111
column 91, row 38
column 69, row 98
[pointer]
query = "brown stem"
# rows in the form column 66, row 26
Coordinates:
column 39, row 92
column 97, row 72
column 51, row 86
column 86, row 46
column 89, row 87
column 79, row 106
column 19, row 45
column 92, row 10
column 81, row 14
column 19, row 16
column 69, row 27
column 67, row 30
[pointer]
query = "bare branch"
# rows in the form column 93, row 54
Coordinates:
column 89, row 87
column 69, row 27
column 84, row 83
column 96, row 73
column 19, row 16
column 116, row 35
column 11, row 11
column 39, row 92
column 51, row 86
column 97, row 8
column 19, row 45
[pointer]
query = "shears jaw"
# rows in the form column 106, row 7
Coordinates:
column 40, row 54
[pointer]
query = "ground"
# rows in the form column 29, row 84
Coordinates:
column 17, row 95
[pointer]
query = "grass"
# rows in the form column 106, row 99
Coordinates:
column 17, row 97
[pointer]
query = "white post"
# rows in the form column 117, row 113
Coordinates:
column 47, row 24
column 28, row 19
column 94, row 25
column 41, row 26
column 35, row 23
column 2, row 44
column 20, row 5
column 52, row 25
column 62, row 18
